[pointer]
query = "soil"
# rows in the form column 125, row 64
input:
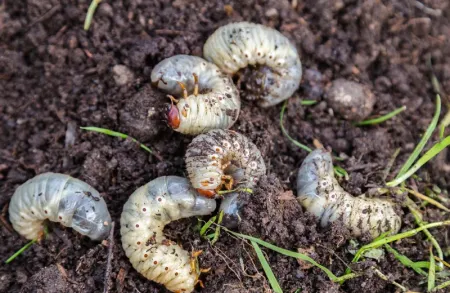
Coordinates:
column 56, row 77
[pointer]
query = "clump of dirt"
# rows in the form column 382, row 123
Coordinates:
column 56, row 77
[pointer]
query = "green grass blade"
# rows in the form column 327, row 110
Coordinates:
column 300, row 145
column 308, row 102
column 20, row 251
column 341, row 172
column 389, row 239
column 415, row 154
column 25, row 247
column 121, row 135
column 90, row 14
column 405, row 260
column 441, row 286
column 418, row 218
column 207, row 225
column 266, row 267
column 431, row 272
column 286, row 252
column 431, row 153
column 217, row 232
column 381, row 118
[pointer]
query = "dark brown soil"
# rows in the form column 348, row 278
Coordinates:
column 55, row 77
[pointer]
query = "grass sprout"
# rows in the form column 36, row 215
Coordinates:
column 339, row 171
column 266, row 267
column 431, row 272
column 388, row 239
column 25, row 247
column 431, row 153
column 121, row 135
column 406, row 261
column 295, row 255
column 415, row 154
column 90, row 14
column 381, row 119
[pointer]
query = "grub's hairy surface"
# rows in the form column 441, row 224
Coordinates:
column 59, row 198
column 238, row 45
column 209, row 155
column 147, row 211
column 320, row 193
column 215, row 103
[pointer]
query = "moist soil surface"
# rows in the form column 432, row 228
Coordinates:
column 55, row 77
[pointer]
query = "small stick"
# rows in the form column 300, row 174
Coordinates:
column 384, row 277
column 110, row 256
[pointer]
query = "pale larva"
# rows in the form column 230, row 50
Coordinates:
column 223, row 157
column 320, row 193
column 147, row 211
column 214, row 102
column 238, row 45
column 59, row 198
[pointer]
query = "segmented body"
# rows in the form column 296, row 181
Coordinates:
column 238, row 45
column 147, row 211
column 320, row 193
column 212, row 155
column 58, row 198
column 217, row 104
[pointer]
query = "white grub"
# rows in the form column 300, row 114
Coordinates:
column 147, row 211
column 211, row 154
column 320, row 193
column 237, row 45
column 216, row 103
column 58, row 198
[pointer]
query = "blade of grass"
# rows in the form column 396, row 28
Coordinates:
column 442, row 261
column 389, row 239
column 20, row 251
column 405, row 260
column 441, row 286
column 308, row 102
column 418, row 218
column 266, row 267
column 390, row 163
column 431, row 272
column 244, row 189
column 412, row 158
column 339, row 172
column 207, row 225
column 385, row 278
column 381, row 118
column 426, row 198
column 25, row 247
column 300, row 145
column 217, row 232
column 437, row 89
column 431, row 153
column 121, row 135
column 293, row 254
column 90, row 14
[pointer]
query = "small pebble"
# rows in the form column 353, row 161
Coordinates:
column 350, row 100
column 272, row 13
column 122, row 75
